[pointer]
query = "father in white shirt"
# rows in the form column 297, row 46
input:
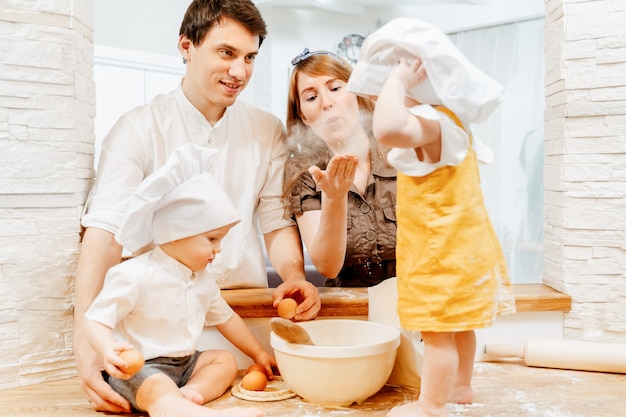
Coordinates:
column 219, row 41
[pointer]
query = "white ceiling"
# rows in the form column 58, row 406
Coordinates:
column 152, row 25
column 357, row 6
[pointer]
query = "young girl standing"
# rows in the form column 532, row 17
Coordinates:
column 451, row 273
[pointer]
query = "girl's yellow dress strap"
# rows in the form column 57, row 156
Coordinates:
column 454, row 118
column 450, row 113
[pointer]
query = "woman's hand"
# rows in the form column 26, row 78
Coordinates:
column 335, row 181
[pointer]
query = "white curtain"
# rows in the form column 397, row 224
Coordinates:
column 513, row 183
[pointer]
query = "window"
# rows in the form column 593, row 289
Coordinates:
column 513, row 54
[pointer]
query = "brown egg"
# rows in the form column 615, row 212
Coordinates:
column 256, row 367
column 287, row 308
column 254, row 381
column 135, row 360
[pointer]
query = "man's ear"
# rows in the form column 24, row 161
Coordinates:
column 184, row 45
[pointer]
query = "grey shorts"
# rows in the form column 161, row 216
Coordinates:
column 178, row 369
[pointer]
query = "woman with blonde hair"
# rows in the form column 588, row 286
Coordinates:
column 338, row 185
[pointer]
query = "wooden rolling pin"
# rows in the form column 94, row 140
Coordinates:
column 565, row 354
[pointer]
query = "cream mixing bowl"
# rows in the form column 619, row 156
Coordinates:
column 349, row 361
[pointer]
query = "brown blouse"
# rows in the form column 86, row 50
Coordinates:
column 371, row 240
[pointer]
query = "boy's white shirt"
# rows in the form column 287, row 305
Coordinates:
column 159, row 305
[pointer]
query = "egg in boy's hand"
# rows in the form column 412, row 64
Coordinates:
column 134, row 359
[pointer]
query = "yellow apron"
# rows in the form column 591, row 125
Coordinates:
column 451, row 271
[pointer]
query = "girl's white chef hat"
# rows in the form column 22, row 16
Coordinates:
column 178, row 200
column 452, row 80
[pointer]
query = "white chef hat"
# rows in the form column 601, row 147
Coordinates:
column 452, row 80
column 178, row 200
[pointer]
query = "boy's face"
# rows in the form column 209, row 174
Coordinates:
column 219, row 68
column 196, row 252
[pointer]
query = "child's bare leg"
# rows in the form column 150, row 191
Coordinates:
column 438, row 375
column 214, row 372
column 160, row 397
column 462, row 392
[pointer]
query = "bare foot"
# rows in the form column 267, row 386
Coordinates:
column 192, row 395
column 462, row 394
column 178, row 406
column 415, row 409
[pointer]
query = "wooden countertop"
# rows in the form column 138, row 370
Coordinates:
column 257, row 302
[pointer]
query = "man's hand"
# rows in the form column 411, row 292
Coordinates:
column 99, row 251
column 100, row 394
column 305, row 293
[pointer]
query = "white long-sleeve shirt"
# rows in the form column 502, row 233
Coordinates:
column 250, row 168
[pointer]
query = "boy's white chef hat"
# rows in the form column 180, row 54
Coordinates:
column 452, row 80
column 180, row 199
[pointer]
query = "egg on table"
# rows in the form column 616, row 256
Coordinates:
column 256, row 367
column 254, row 381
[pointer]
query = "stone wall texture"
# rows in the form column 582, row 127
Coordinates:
column 47, row 108
column 585, row 164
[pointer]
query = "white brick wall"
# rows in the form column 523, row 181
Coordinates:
column 47, row 106
column 584, row 172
